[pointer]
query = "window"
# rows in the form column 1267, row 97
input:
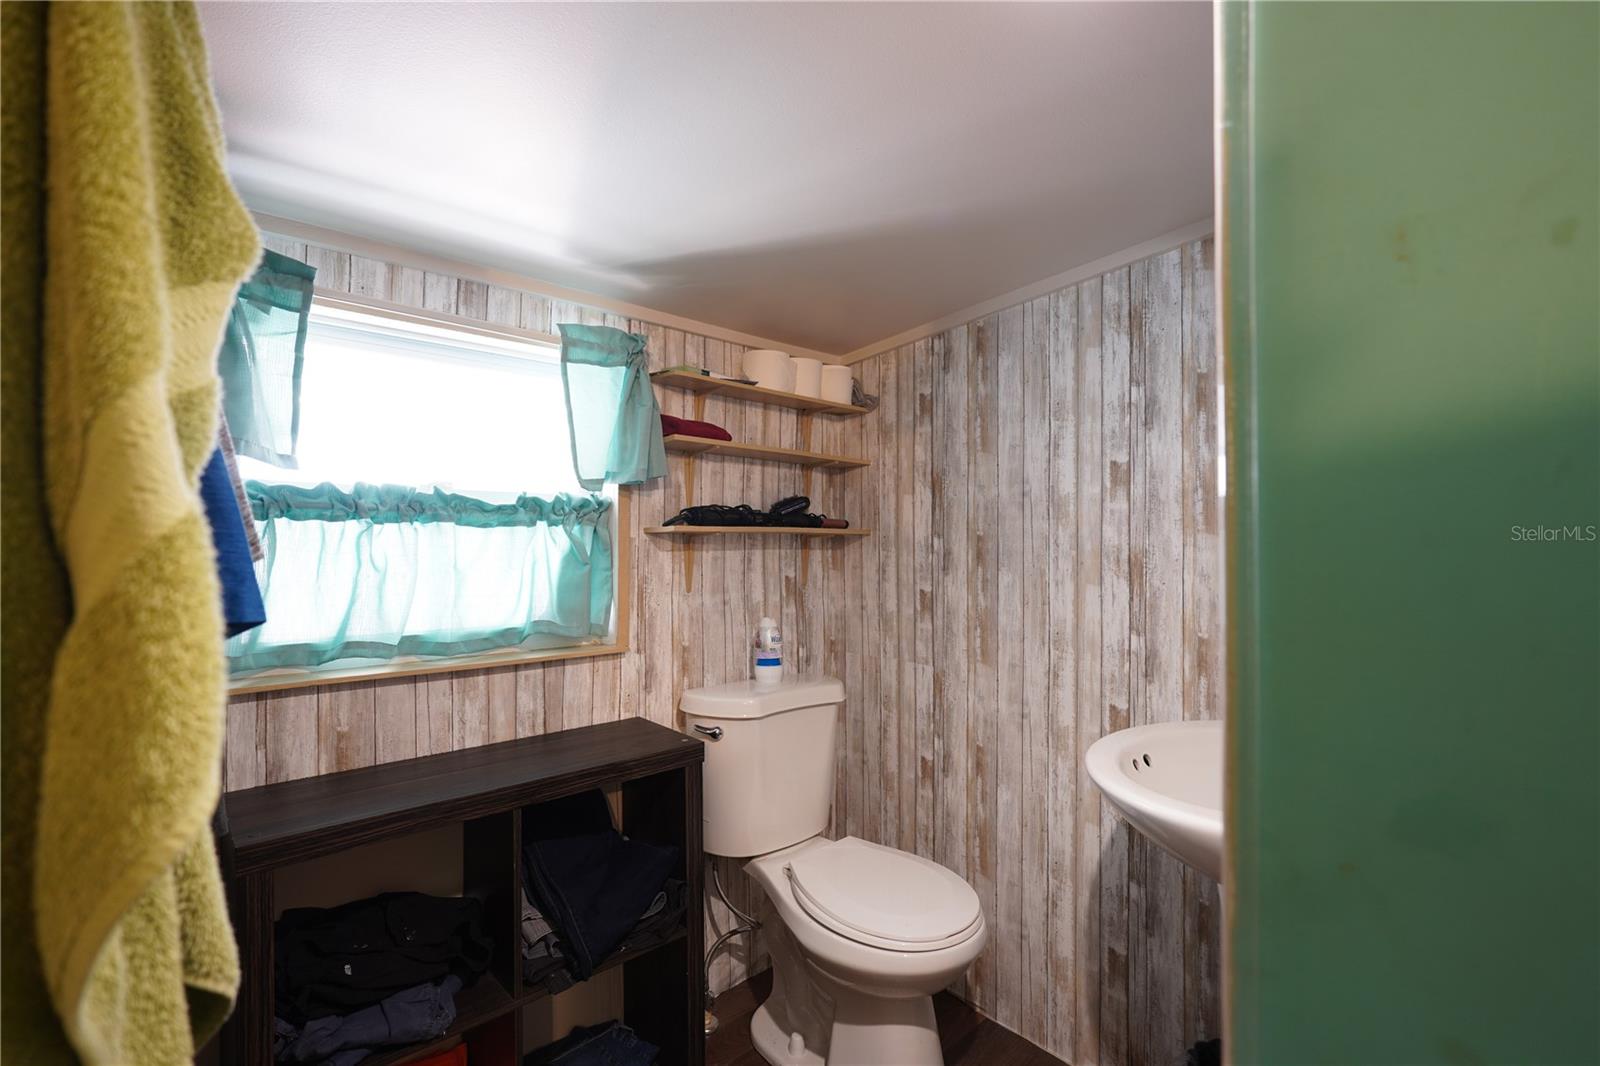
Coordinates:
column 435, row 510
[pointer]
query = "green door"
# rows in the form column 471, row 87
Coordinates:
column 1411, row 310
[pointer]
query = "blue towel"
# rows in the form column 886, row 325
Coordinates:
column 242, row 608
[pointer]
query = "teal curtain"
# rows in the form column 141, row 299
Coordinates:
column 384, row 571
column 611, row 408
column 263, row 351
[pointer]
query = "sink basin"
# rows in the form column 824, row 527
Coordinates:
column 1166, row 780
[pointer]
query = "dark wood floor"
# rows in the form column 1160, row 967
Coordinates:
column 969, row 1038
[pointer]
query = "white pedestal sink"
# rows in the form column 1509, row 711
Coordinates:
column 1166, row 780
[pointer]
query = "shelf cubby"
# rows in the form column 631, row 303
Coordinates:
column 491, row 792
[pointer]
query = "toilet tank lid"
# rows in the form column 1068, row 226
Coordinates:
column 747, row 699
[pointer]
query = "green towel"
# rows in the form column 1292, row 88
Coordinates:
column 123, row 246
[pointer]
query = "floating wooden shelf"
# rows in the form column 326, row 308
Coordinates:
column 690, row 382
column 692, row 447
column 680, row 442
column 705, row 531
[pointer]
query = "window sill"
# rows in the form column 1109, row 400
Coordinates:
column 278, row 680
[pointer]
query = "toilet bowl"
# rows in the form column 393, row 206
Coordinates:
column 876, row 932
column 861, row 935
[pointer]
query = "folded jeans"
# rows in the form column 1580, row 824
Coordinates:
column 419, row 1013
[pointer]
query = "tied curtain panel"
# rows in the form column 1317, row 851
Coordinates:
column 611, row 408
column 262, row 357
column 388, row 571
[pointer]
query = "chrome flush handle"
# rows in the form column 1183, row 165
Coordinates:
column 712, row 731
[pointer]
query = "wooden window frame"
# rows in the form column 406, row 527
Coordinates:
column 278, row 680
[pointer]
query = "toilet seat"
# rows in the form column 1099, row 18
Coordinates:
column 883, row 897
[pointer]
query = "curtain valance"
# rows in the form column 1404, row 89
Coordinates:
column 382, row 571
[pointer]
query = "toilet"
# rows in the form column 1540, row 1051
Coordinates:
column 861, row 935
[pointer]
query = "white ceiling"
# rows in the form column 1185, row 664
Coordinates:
column 821, row 174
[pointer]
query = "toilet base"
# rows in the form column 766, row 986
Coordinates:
column 867, row 1032
column 870, row 1031
column 775, row 1045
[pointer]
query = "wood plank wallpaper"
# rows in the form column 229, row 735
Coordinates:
column 1045, row 568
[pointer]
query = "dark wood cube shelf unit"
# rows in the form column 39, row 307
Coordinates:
column 489, row 791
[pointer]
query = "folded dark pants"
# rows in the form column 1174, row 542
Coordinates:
column 611, row 1044
column 419, row 1013
column 590, row 881
column 655, row 927
column 663, row 924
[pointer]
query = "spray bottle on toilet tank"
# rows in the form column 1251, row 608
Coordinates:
column 768, row 653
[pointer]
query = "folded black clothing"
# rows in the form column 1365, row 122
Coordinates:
column 608, row 1044
column 718, row 514
column 339, row 959
column 589, row 881
column 654, row 928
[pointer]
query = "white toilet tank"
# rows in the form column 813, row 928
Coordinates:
column 769, row 761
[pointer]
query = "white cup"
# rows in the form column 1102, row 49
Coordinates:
column 770, row 369
column 837, row 384
column 807, row 376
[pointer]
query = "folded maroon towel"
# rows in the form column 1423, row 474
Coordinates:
column 688, row 427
